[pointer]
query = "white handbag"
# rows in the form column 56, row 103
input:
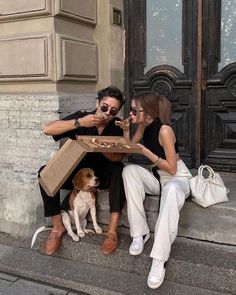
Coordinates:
column 208, row 191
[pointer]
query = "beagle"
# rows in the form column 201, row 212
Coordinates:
column 81, row 200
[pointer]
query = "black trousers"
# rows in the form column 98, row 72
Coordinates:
column 110, row 176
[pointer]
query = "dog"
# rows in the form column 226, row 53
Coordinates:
column 81, row 201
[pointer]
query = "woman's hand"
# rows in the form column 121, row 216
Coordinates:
column 123, row 124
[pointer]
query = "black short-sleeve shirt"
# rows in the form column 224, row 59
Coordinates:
column 93, row 159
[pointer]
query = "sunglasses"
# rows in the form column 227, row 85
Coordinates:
column 112, row 112
column 134, row 111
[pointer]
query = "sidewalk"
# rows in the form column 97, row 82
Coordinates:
column 15, row 285
column 195, row 267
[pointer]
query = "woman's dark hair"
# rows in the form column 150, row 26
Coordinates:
column 111, row 91
column 149, row 102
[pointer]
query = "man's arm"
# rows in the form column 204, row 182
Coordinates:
column 59, row 126
column 62, row 126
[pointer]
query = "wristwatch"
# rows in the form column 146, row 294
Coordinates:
column 77, row 123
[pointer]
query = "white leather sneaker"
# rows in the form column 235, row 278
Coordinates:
column 157, row 274
column 137, row 245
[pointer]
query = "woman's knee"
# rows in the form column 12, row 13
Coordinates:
column 173, row 192
column 129, row 171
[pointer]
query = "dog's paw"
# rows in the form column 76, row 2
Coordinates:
column 81, row 234
column 98, row 230
column 75, row 238
column 89, row 231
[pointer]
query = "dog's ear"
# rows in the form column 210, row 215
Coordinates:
column 78, row 181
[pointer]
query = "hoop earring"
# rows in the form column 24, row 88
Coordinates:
column 148, row 121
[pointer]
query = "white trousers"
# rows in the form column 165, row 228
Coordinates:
column 138, row 182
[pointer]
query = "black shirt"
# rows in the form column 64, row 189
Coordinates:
column 150, row 138
column 91, row 159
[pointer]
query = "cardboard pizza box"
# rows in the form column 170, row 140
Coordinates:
column 58, row 169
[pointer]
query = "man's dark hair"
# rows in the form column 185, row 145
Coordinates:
column 111, row 91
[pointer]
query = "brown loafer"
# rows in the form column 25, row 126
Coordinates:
column 110, row 243
column 53, row 243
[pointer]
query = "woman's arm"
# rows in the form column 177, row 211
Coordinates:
column 138, row 135
column 167, row 140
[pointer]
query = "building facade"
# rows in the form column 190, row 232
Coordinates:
column 56, row 55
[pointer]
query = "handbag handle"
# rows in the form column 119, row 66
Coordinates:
column 208, row 168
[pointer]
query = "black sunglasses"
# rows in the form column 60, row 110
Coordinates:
column 134, row 111
column 112, row 112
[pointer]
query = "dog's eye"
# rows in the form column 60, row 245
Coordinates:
column 89, row 175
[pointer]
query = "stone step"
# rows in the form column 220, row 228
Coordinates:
column 216, row 223
column 89, row 277
column 194, row 263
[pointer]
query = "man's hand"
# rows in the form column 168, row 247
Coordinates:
column 90, row 120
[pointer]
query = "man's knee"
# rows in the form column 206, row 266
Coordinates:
column 40, row 169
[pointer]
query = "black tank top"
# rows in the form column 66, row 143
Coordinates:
column 151, row 139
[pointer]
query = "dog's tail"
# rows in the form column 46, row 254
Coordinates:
column 39, row 230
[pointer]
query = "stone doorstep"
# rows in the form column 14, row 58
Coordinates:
column 193, row 263
column 216, row 223
column 83, row 277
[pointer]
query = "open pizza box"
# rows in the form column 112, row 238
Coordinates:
column 58, row 169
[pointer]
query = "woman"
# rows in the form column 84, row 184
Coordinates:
column 160, row 147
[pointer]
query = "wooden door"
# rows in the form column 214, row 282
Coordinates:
column 173, row 47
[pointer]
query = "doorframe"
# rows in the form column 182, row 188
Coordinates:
column 199, row 83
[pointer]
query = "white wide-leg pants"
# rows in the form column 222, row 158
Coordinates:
column 138, row 182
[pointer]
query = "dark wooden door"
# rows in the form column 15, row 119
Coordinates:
column 189, row 71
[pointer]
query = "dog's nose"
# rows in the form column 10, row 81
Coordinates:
column 96, row 180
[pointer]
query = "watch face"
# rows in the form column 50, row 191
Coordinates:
column 77, row 124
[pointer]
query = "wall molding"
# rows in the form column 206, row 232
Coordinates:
column 26, row 58
column 77, row 59
column 30, row 9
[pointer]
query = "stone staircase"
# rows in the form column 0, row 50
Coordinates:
column 216, row 223
column 195, row 267
column 202, row 261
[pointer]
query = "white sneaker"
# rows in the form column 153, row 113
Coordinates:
column 137, row 245
column 156, row 274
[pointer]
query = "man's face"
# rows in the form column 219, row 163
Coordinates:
column 108, row 107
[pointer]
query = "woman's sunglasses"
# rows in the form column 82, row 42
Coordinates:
column 112, row 112
column 134, row 111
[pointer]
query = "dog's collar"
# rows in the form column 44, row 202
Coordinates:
column 77, row 190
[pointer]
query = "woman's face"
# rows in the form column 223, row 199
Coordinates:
column 137, row 113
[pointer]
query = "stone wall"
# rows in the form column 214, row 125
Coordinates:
column 23, row 150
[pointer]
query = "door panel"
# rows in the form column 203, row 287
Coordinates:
column 219, row 98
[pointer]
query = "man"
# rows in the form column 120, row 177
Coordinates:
column 108, row 167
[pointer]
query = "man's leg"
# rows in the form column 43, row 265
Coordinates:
column 111, row 177
column 52, row 209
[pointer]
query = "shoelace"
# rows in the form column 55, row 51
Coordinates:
column 137, row 243
column 157, row 269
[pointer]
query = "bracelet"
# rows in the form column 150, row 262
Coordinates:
column 157, row 163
